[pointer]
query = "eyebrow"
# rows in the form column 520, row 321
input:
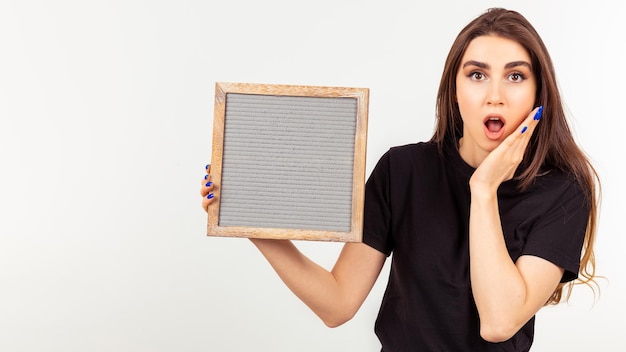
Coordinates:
column 487, row 66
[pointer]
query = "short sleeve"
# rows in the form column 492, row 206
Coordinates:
column 559, row 234
column 377, row 214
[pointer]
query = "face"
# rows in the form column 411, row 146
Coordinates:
column 495, row 91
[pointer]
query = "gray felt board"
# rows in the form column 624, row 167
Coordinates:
column 288, row 162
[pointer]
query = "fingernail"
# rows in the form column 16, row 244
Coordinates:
column 206, row 176
column 538, row 113
column 208, row 184
column 524, row 129
column 207, row 166
column 210, row 196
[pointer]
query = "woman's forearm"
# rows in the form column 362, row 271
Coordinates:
column 498, row 287
column 335, row 295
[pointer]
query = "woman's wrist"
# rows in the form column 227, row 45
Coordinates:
column 483, row 191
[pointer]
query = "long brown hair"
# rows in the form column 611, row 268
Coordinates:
column 551, row 146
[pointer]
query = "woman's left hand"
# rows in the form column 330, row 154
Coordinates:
column 501, row 163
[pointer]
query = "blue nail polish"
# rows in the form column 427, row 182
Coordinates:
column 208, row 184
column 538, row 113
column 524, row 129
column 207, row 166
column 206, row 176
column 210, row 196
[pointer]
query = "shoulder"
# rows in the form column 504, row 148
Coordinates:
column 414, row 148
column 412, row 153
column 404, row 154
column 406, row 163
column 557, row 183
column 558, row 196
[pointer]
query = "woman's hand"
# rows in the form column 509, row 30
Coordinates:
column 206, row 189
column 501, row 163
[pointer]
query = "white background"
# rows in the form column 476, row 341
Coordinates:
column 106, row 112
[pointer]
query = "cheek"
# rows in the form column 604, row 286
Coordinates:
column 522, row 97
column 469, row 100
column 522, row 102
column 523, row 94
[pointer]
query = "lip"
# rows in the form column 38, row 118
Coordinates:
column 494, row 135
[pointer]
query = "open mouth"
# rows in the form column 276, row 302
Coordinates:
column 494, row 127
column 494, row 124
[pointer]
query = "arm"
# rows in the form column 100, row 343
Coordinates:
column 336, row 295
column 507, row 294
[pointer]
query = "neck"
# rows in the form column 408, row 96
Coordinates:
column 472, row 156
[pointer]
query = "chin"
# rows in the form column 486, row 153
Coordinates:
column 490, row 145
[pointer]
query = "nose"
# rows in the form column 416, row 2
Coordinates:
column 495, row 95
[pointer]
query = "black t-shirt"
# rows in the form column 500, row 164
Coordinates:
column 417, row 205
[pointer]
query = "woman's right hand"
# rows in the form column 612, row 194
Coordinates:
column 206, row 190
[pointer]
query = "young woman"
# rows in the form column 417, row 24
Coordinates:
column 487, row 221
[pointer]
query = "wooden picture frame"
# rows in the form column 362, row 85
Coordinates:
column 288, row 162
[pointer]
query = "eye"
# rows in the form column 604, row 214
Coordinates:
column 516, row 77
column 477, row 76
